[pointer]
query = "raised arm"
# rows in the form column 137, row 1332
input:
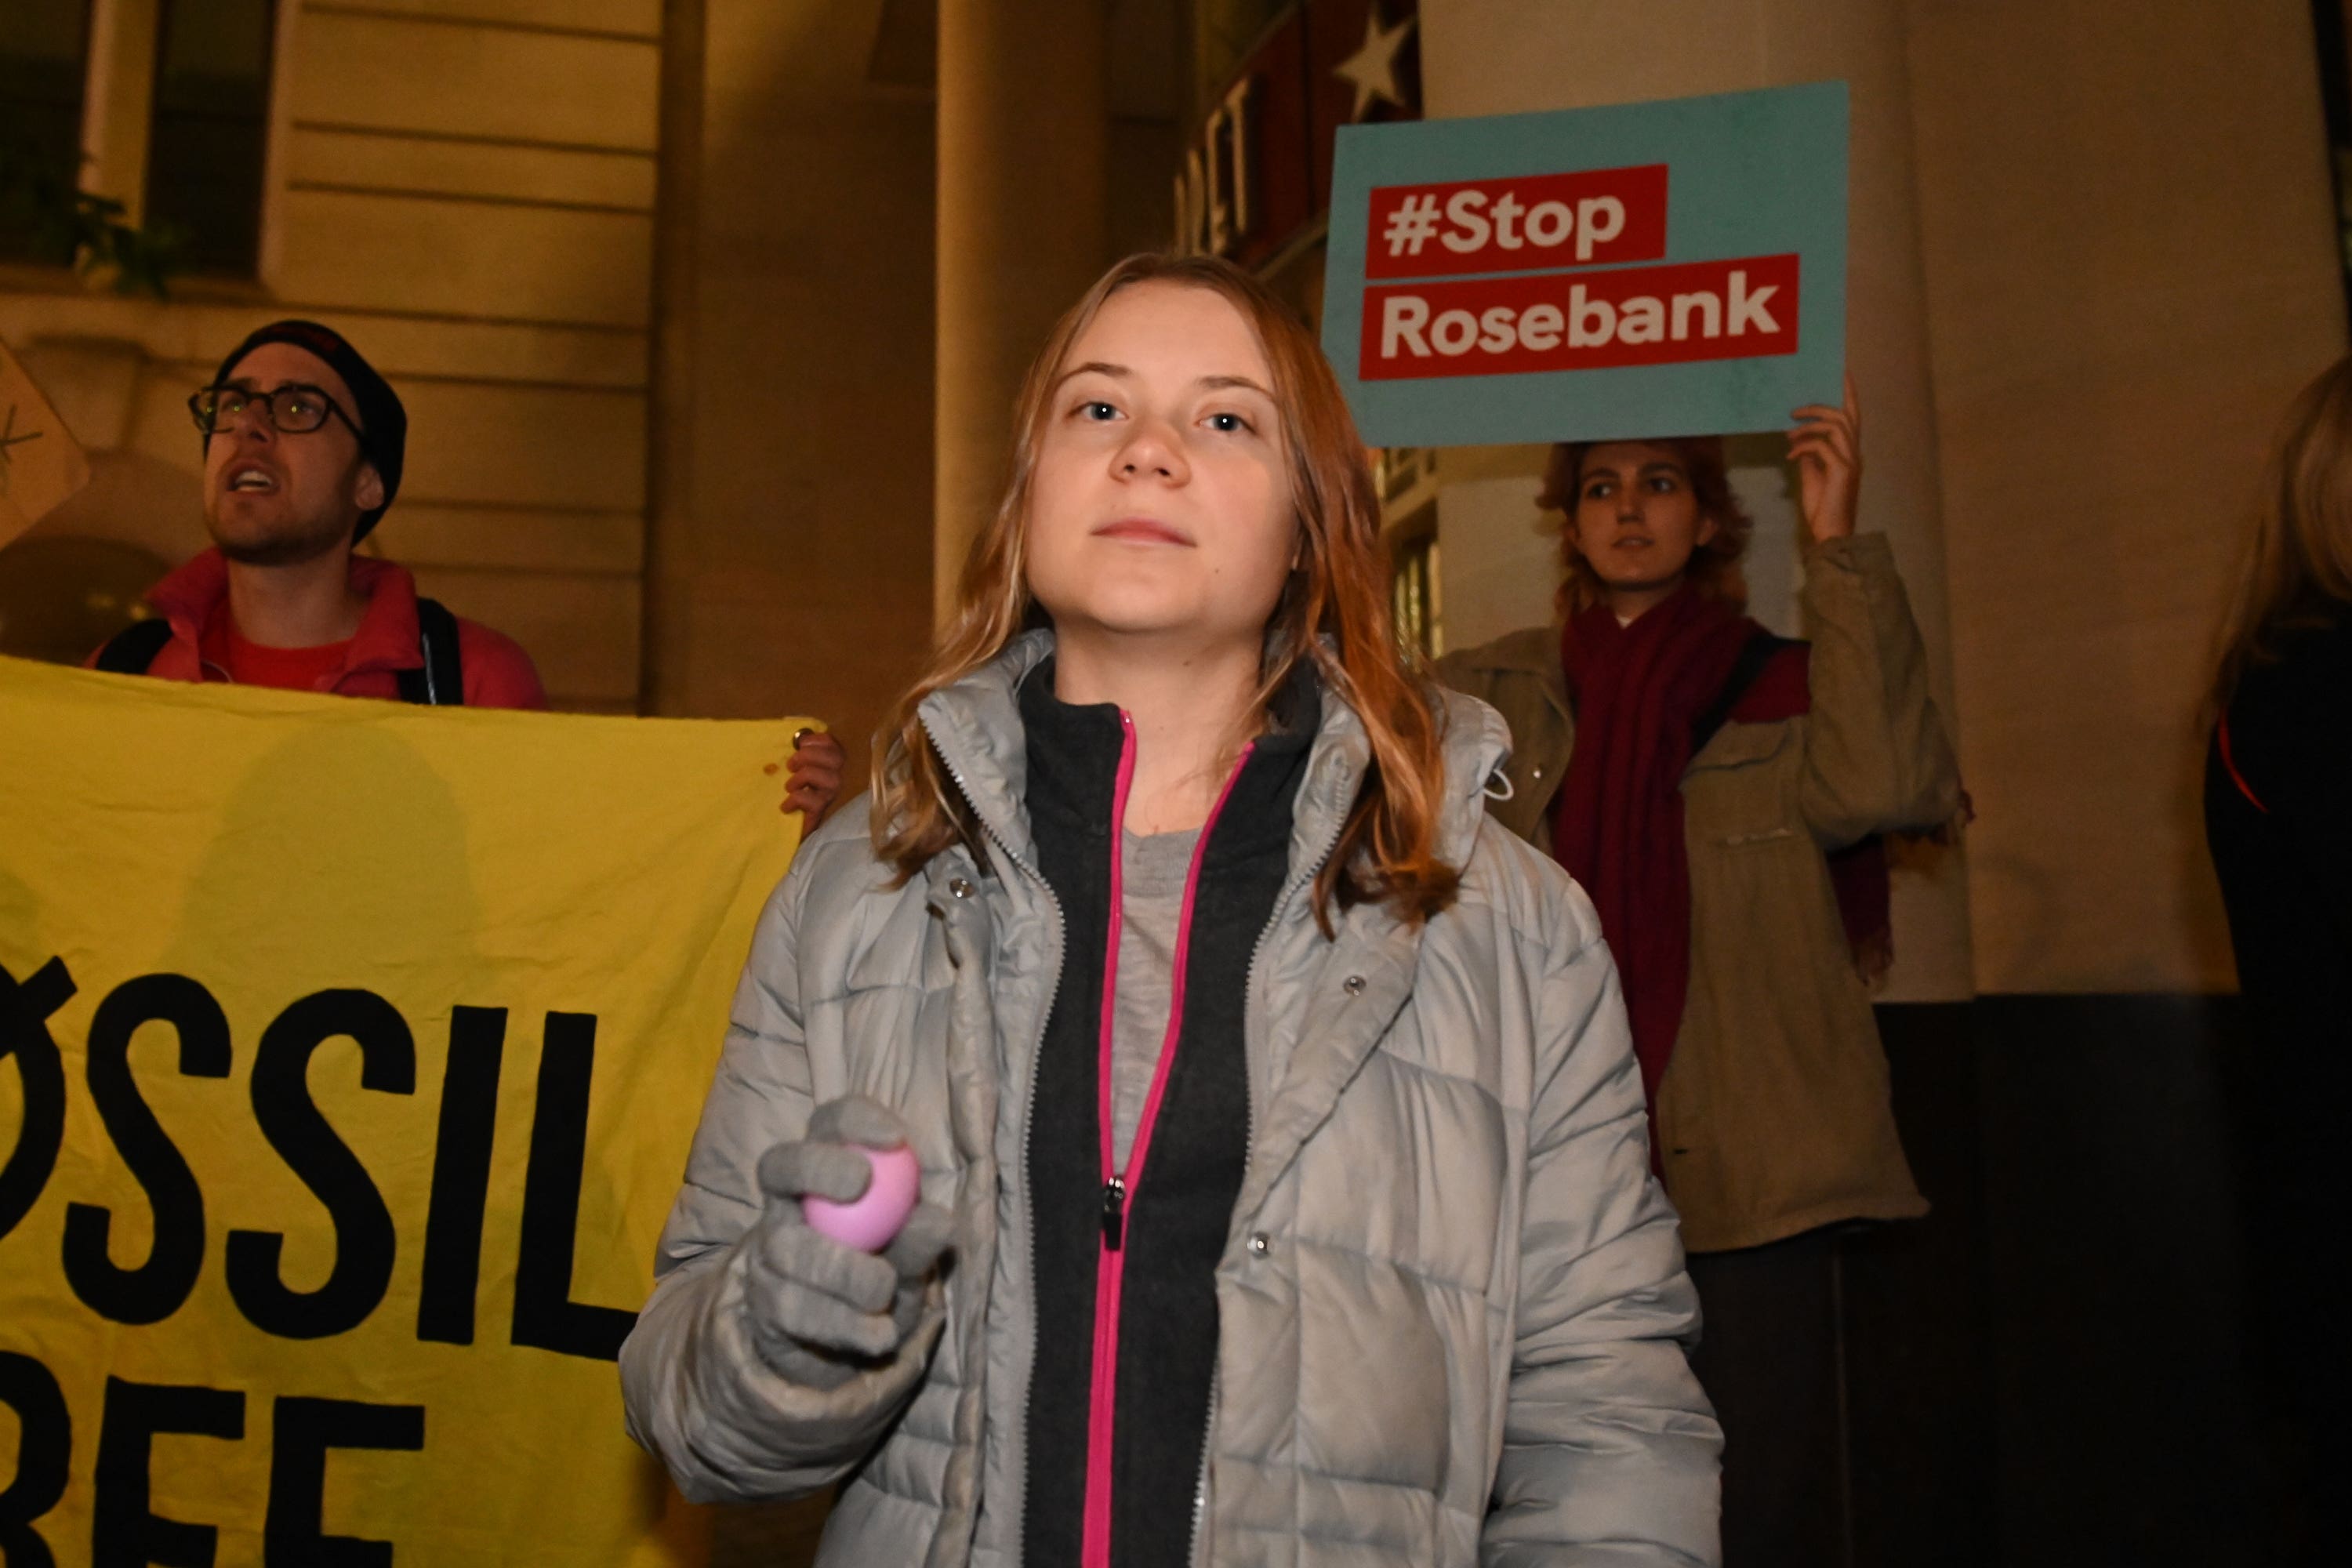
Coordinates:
column 1877, row 756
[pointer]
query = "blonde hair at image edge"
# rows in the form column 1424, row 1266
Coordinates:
column 2297, row 567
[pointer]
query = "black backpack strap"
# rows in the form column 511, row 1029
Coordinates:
column 441, row 683
column 131, row 650
column 1754, row 655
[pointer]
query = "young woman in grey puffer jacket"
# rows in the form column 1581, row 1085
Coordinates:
column 1286, row 1190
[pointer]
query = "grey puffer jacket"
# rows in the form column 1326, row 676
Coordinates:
column 1452, row 1299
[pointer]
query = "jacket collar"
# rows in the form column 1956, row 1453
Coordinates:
column 977, row 726
column 1534, row 652
column 196, row 596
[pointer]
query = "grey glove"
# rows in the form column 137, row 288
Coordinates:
column 821, row 1312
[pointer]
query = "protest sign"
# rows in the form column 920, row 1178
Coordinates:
column 349, row 1053
column 1671, row 269
column 40, row 462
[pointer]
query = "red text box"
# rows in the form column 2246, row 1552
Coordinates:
column 1744, row 308
column 1517, row 224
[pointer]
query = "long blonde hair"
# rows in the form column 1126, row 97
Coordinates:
column 2298, row 564
column 1334, row 612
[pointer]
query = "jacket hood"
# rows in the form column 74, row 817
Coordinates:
column 977, row 726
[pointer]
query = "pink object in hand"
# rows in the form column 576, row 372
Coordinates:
column 869, row 1223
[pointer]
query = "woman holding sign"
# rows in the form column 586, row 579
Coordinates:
column 1280, row 1111
column 1718, row 790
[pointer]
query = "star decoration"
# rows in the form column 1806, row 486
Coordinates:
column 9, row 437
column 1373, row 68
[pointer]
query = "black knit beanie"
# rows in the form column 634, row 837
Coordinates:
column 383, row 423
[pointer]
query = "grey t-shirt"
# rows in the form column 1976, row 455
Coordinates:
column 1152, row 870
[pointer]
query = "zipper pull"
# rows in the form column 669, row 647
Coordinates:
column 1114, row 1213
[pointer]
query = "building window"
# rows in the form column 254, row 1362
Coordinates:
column 208, row 139
column 44, row 63
column 1420, row 609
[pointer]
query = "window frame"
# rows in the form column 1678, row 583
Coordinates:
column 118, row 121
column 13, row 265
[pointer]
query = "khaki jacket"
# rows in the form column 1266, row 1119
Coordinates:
column 1774, row 1115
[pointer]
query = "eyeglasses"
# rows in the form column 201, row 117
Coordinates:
column 296, row 410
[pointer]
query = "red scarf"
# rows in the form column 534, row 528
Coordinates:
column 1639, row 692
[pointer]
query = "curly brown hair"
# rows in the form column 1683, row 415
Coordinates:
column 1713, row 568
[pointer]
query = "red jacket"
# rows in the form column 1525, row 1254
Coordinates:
column 498, row 674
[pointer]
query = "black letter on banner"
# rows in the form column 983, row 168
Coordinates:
column 302, row 1431
column 44, row 1451
column 122, row 1533
column 153, row 1291
column 25, row 1012
column 290, row 1119
column 544, row 1313
column 461, row 1175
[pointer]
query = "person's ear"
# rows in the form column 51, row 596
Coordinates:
column 367, row 490
column 1708, row 530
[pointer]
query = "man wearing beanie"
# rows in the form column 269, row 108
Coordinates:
column 304, row 445
column 303, row 449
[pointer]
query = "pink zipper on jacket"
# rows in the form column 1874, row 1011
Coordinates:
column 1118, row 1184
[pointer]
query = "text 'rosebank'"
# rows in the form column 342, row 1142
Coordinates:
column 1569, row 299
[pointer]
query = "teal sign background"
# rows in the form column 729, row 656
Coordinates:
column 1749, row 174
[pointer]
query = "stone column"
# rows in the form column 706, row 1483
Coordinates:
column 666, row 585
column 1023, row 132
column 121, row 102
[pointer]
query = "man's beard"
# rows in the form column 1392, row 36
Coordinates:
column 285, row 547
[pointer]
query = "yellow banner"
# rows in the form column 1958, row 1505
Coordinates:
column 349, row 1057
